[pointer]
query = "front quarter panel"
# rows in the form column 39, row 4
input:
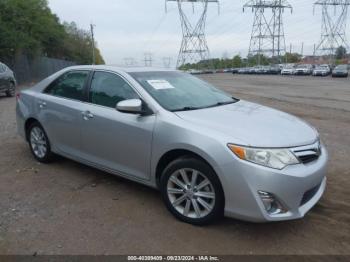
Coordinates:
column 173, row 133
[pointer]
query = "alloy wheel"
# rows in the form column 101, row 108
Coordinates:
column 38, row 142
column 191, row 193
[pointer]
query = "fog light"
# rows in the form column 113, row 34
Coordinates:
column 272, row 205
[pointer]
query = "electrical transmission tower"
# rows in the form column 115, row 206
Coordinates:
column 129, row 61
column 194, row 47
column 333, row 32
column 148, row 59
column 268, row 32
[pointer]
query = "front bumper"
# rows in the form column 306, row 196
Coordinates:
column 287, row 73
column 298, row 188
column 320, row 73
column 304, row 73
column 339, row 74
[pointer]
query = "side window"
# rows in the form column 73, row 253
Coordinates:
column 69, row 85
column 108, row 90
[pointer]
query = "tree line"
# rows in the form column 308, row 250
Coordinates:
column 250, row 61
column 29, row 27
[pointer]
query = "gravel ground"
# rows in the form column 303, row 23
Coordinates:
column 68, row 208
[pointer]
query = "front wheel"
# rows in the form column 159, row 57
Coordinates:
column 192, row 191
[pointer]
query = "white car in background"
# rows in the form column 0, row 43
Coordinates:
column 288, row 70
column 322, row 70
column 303, row 69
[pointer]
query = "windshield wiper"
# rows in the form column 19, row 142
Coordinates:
column 191, row 108
column 187, row 108
column 234, row 100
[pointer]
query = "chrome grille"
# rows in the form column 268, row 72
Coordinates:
column 308, row 154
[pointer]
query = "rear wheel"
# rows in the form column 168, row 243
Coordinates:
column 39, row 143
column 192, row 192
column 11, row 91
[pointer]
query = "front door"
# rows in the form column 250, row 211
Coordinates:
column 117, row 141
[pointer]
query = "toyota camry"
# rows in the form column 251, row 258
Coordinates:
column 208, row 153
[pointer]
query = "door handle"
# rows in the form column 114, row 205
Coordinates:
column 42, row 104
column 87, row 115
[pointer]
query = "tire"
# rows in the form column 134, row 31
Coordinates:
column 39, row 143
column 184, row 199
column 11, row 91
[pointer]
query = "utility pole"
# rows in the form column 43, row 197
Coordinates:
column 267, row 37
column 92, row 26
column 302, row 49
column 194, row 47
column 167, row 62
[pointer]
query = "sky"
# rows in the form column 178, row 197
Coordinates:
column 132, row 28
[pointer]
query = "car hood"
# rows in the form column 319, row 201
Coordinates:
column 255, row 125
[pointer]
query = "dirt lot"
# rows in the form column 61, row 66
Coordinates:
column 68, row 208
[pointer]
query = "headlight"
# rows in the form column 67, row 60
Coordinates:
column 273, row 158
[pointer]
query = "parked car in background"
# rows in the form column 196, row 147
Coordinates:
column 7, row 81
column 252, row 70
column 208, row 153
column 274, row 70
column 235, row 70
column 321, row 70
column 243, row 70
column 194, row 72
column 341, row 71
column 288, row 70
column 258, row 70
column 303, row 69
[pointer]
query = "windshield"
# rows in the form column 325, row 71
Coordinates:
column 302, row 66
column 176, row 91
column 342, row 67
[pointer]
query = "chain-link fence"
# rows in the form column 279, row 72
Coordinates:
column 33, row 70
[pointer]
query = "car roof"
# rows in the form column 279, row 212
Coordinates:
column 122, row 69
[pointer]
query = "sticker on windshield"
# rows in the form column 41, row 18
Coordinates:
column 160, row 84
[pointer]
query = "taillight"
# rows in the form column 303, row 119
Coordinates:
column 18, row 96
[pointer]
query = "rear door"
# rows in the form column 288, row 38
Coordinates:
column 59, row 109
column 117, row 141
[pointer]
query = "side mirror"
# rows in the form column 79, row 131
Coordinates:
column 131, row 106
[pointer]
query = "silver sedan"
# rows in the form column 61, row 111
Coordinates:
column 208, row 153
